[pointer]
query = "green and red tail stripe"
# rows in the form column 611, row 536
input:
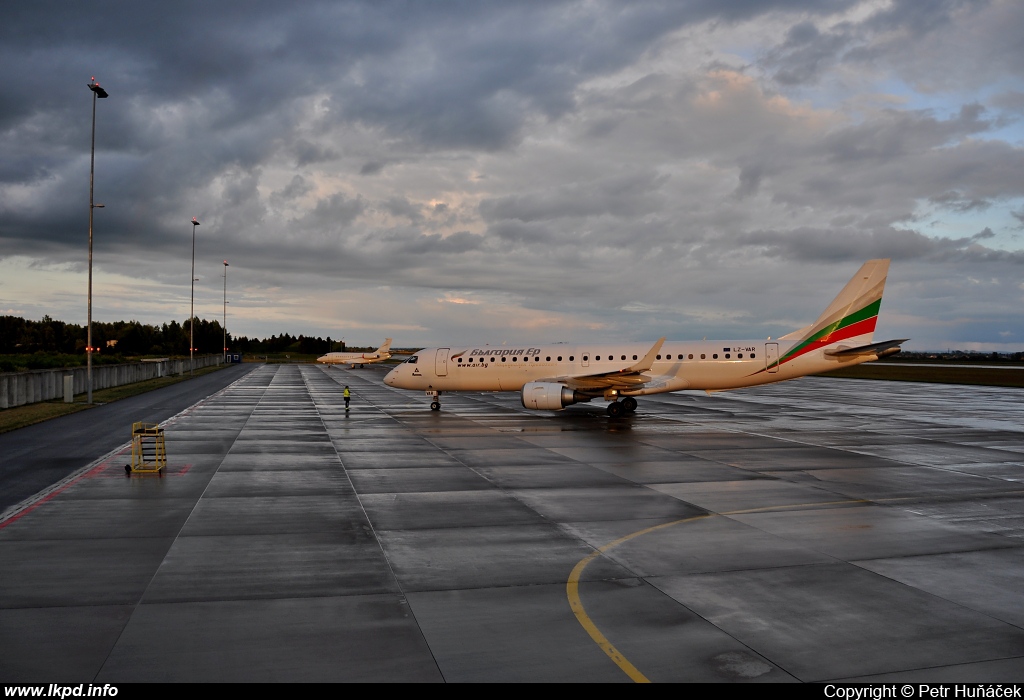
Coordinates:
column 851, row 326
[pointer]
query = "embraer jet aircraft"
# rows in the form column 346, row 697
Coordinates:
column 358, row 358
column 554, row 376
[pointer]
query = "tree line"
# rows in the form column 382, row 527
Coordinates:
column 130, row 338
column 276, row 344
column 23, row 336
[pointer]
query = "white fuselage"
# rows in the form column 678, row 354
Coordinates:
column 551, row 377
column 703, row 365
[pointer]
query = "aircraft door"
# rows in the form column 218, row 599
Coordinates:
column 441, row 362
column 771, row 357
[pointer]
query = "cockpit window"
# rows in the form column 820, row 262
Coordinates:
column 412, row 360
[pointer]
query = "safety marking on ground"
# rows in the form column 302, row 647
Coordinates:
column 30, row 504
column 16, row 512
column 572, row 587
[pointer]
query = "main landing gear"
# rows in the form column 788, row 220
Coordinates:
column 620, row 408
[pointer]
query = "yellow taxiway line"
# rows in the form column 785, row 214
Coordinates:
column 572, row 586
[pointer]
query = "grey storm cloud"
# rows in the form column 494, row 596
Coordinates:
column 400, row 206
column 307, row 153
column 819, row 245
column 894, row 31
column 957, row 202
column 577, row 155
column 1011, row 100
column 806, row 53
column 298, row 187
column 334, row 213
column 888, row 163
column 419, row 245
column 900, row 133
column 521, row 232
column 625, row 196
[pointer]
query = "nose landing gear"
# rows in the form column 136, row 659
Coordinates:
column 435, row 405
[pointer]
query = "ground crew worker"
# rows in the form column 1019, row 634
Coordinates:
column 348, row 395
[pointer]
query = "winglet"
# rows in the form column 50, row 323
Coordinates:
column 648, row 360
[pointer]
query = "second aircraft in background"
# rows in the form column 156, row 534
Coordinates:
column 358, row 358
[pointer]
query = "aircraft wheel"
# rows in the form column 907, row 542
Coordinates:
column 435, row 406
column 615, row 409
column 629, row 403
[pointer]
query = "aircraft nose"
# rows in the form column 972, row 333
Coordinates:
column 389, row 378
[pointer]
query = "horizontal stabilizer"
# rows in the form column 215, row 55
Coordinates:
column 883, row 349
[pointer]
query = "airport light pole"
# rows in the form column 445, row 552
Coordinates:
column 192, row 306
column 97, row 92
column 224, row 326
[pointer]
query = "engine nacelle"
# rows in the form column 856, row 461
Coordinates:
column 549, row 396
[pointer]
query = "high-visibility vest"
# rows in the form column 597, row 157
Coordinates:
column 347, row 393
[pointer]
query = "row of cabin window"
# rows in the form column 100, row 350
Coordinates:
column 597, row 358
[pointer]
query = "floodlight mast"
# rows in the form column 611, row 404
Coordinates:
column 224, row 325
column 97, row 92
column 192, row 306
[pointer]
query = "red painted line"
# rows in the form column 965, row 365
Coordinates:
column 102, row 466
column 62, row 489
column 91, row 474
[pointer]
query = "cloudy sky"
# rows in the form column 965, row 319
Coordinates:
column 535, row 171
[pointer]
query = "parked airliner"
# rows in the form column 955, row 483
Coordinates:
column 358, row 358
column 551, row 377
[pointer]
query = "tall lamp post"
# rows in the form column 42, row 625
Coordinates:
column 192, row 306
column 97, row 92
column 224, row 326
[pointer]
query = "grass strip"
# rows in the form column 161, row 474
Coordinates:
column 964, row 374
column 21, row 416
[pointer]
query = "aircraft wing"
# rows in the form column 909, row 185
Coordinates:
column 626, row 378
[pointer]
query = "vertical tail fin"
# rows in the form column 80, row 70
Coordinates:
column 851, row 315
column 386, row 347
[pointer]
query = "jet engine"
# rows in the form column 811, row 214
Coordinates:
column 550, row 396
